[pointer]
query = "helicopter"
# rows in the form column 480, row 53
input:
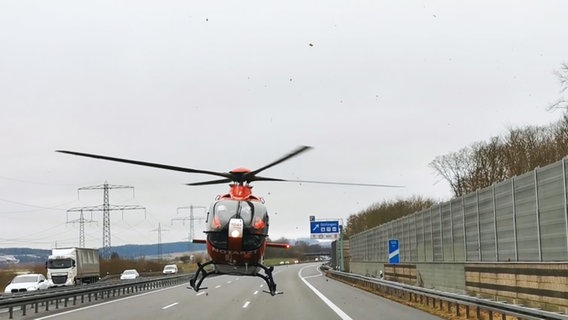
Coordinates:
column 237, row 222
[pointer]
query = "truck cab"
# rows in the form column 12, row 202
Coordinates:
column 61, row 271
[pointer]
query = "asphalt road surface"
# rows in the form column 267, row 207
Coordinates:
column 307, row 294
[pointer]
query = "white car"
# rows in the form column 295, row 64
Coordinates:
column 27, row 282
column 170, row 269
column 129, row 274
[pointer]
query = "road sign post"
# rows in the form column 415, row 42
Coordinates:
column 341, row 262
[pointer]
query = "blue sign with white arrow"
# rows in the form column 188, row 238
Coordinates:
column 394, row 252
column 324, row 229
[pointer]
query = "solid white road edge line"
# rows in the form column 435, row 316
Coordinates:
column 330, row 304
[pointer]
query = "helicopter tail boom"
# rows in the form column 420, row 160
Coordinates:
column 278, row 245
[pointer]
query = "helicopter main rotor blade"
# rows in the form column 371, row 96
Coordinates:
column 256, row 178
column 239, row 177
column 149, row 164
column 346, row 183
column 235, row 179
column 251, row 175
column 204, row 183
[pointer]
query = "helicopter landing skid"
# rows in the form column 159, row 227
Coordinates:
column 269, row 280
column 194, row 282
column 201, row 274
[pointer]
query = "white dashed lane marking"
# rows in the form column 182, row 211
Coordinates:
column 169, row 306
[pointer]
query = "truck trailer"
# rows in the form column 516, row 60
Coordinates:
column 72, row 266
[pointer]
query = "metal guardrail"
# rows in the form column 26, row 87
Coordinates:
column 81, row 294
column 436, row 297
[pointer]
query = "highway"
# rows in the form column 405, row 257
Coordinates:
column 307, row 294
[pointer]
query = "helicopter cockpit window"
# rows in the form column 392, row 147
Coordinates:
column 259, row 220
column 246, row 212
column 223, row 211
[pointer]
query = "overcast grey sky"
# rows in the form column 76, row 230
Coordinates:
column 378, row 88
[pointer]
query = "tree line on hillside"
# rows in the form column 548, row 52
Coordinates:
column 481, row 164
column 381, row 213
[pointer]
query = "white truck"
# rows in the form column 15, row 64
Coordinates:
column 72, row 266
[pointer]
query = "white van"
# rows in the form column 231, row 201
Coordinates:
column 170, row 269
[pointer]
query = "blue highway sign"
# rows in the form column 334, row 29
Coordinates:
column 394, row 253
column 324, row 229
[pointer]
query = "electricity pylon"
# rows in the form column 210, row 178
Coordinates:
column 81, row 222
column 191, row 219
column 106, row 208
column 160, row 230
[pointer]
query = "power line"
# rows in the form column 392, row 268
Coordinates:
column 32, row 206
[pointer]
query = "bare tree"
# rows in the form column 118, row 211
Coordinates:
column 562, row 101
column 532, row 147
column 560, row 137
column 455, row 169
column 518, row 151
column 488, row 165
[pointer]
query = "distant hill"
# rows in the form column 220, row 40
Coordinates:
column 131, row 251
column 23, row 255
column 310, row 241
